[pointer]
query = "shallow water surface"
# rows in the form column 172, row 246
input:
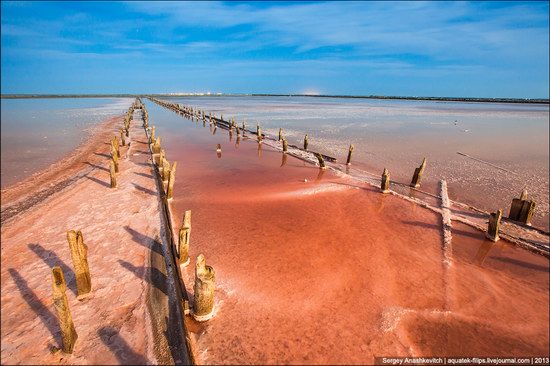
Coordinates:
column 398, row 134
column 38, row 132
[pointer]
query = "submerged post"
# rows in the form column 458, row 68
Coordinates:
column 171, row 180
column 321, row 161
column 351, row 148
column 184, row 236
column 494, row 226
column 204, row 290
column 79, row 255
column 59, row 287
column 112, row 172
column 306, row 142
column 385, row 185
column 417, row 177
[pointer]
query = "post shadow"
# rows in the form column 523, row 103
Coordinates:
column 98, row 181
column 143, row 175
column 45, row 315
column 51, row 259
column 118, row 346
column 155, row 278
column 145, row 190
column 142, row 239
column 96, row 166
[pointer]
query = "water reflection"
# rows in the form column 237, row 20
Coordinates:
column 483, row 251
column 259, row 149
column 283, row 161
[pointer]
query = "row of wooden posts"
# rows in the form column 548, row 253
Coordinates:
column 204, row 285
column 79, row 252
column 521, row 211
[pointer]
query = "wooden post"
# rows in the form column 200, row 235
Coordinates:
column 259, row 132
column 522, row 210
column 184, row 236
column 156, row 146
column 114, row 158
column 61, row 304
column 321, row 161
column 112, row 171
column 160, row 158
column 417, row 177
column 306, row 142
column 122, row 139
column 351, row 148
column 219, row 148
column 494, row 226
column 152, row 133
column 204, row 290
column 523, row 196
column 238, row 130
column 165, row 170
column 171, row 179
column 280, row 134
column 385, row 185
column 79, row 255
column 117, row 146
column 285, row 145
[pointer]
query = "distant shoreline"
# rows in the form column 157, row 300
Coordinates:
column 169, row 95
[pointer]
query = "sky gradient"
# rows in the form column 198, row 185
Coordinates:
column 452, row 49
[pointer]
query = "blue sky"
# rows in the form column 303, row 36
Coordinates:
column 470, row 49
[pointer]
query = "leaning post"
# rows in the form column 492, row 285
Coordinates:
column 61, row 304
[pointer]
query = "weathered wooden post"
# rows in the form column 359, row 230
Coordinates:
column 160, row 158
column 165, row 170
column 385, row 185
column 285, row 145
column 122, row 139
column 152, row 133
column 259, row 132
column 417, row 177
column 156, row 146
column 280, row 134
column 351, row 148
column 79, row 255
column 117, row 146
column 321, row 161
column 306, row 142
column 204, row 290
column 61, row 304
column 494, row 226
column 522, row 210
column 219, row 148
column 184, row 237
column 238, row 130
column 244, row 127
column 171, row 180
column 112, row 171
column 114, row 158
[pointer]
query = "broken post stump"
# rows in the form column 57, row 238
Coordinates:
column 184, row 236
column 204, row 290
column 522, row 210
column 385, row 185
column 61, row 304
column 171, row 180
column 306, row 142
column 321, row 161
column 351, row 148
column 417, row 177
column 112, row 171
column 79, row 255
column 494, row 226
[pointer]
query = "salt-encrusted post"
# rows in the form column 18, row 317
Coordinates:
column 112, row 171
column 351, row 148
column 285, row 145
column 523, row 196
column 385, row 185
column 59, row 287
column 156, row 146
column 171, row 179
column 417, row 177
column 494, row 226
column 184, row 236
column 79, row 255
column 321, row 161
column 306, row 142
column 166, row 169
column 204, row 290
